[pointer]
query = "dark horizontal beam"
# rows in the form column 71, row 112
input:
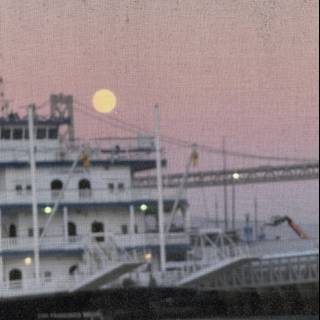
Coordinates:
column 265, row 174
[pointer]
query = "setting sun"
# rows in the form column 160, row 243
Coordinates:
column 104, row 101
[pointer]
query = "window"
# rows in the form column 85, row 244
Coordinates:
column 56, row 187
column 26, row 134
column 41, row 133
column 18, row 189
column 30, row 232
column 111, row 187
column 121, row 186
column 28, row 189
column 136, row 229
column 12, row 231
column 53, row 133
column 72, row 229
column 15, row 277
column 17, row 134
column 84, row 188
column 5, row 134
column 98, row 227
column 124, row 229
column 47, row 276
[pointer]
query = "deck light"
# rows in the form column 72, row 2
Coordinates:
column 47, row 210
column 236, row 176
column 28, row 261
column 148, row 257
column 144, row 207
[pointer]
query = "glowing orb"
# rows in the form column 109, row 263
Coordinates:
column 148, row 257
column 143, row 207
column 104, row 101
column 28, row 261
column 47, row 210
column 236, row 176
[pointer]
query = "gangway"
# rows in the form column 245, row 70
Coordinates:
column 269, row 264
column 105, row 276
column 203, row 276
column 103, row 263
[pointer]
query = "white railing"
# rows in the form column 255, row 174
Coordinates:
column 78, row 242
column 278, row 247
column 150, row 239
column 31, row 287
column 46, row 243
column 110, row 150
column 84, row 196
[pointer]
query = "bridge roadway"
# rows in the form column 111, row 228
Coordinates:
column 253, row 175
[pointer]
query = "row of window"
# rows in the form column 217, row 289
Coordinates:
column 23, row 133
column 85, row 184
column 15, row 276
column 57, row 185
column 96, row 227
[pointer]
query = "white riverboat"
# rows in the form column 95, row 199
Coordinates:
column 70, row 218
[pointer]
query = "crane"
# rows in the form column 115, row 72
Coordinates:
column 278, row 220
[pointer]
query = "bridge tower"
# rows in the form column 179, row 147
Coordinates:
column 61, row 108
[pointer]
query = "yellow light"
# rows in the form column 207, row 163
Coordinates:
column 28, row 261
column 104, row 101
column 148, row 257
column 47, row 210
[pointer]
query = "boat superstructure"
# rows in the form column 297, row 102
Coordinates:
column 90, row 219
column 73, row 217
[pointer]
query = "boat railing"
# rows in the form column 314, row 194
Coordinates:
column 110, row 193
column 33, row 287
column 54, row 242
column 110, row 150
column 283, row 247
column 61, row 241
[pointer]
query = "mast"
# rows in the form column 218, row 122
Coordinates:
column 36, row 252
column 225, row 186
column 160, row 192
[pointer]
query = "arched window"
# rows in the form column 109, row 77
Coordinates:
column 72, row 229
column 12, row 231
column 84, row 188
column 98, row 227
column 15, row 278
column 47, row 276
column 56, row 187
column 73, row 269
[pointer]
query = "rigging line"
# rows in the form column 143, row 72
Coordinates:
column 107, row 120
column 122, row 122
column 187, row 144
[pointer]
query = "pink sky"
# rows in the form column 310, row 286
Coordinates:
column 244, row 69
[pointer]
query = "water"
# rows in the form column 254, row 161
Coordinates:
column 266, row 318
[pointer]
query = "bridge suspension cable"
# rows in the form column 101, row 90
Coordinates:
column 132, row 128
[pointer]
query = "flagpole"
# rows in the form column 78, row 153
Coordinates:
column 161, row 220
column 36, row 250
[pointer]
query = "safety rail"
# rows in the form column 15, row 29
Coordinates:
column 108, row 194
column 98, row 149
column 32, row 287
column 20, row 244
column 136, row 241
column 283, row 247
